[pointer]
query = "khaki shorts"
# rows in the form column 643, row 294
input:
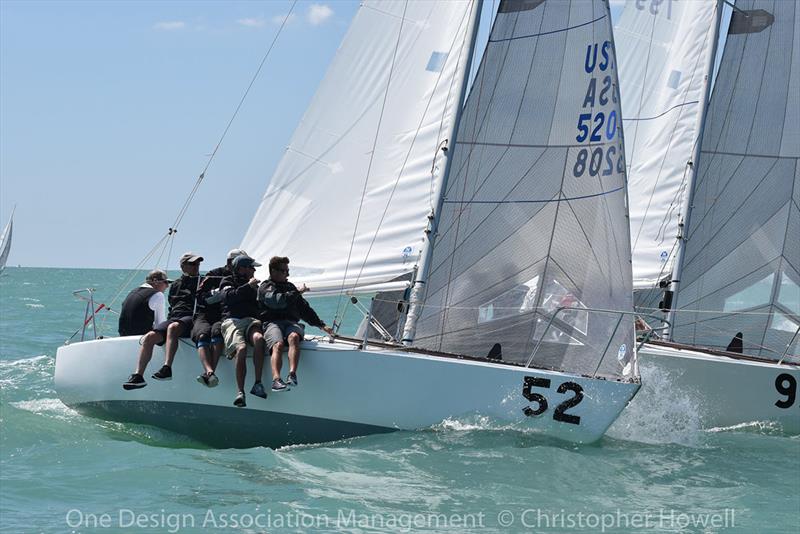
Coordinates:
column 235, row 332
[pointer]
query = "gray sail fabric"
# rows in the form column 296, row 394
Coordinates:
column 534, row 213
column 742, row 263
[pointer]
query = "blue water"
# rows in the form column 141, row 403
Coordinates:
column 63, row 472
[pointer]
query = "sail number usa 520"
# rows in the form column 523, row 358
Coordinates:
column 541, row 406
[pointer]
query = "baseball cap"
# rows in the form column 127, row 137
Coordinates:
column 157, row 275
column 236, row 252
column 244, row 261
column 191, row 257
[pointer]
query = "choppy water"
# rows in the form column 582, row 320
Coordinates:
column 63, row 472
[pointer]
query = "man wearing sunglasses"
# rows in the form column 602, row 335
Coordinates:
column 282, row 307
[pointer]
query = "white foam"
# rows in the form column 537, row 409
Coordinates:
column 658, row 414
column 52, row 407
column 35, row 305
column 765, row 427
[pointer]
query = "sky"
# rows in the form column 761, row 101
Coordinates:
column 109, row 111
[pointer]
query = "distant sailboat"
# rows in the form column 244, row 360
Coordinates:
column 5, row 241
column 715, row 187
column 507, row 210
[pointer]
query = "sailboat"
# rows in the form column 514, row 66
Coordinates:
column 501, row 213
column 5, row 241
column 714, row 188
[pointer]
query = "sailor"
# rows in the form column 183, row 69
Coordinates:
column 207, row 327
column 240, row 326
column 181, row 299
column 282, row 306
column 143, row 308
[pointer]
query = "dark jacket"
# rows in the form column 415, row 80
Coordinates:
column 211, row 281
column 240, row 298
column 181, row 297
column 282, row 301
column 136, row 317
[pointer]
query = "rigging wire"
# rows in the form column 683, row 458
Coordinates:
column 168, row 239
column 369, row 166
column 416, row 134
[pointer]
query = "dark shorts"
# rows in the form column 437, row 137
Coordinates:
column 203, row 330
column 186, row 327
column 277, row 331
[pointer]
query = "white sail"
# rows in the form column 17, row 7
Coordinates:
column 5, row 242
column 349, row 201
column 663, row 50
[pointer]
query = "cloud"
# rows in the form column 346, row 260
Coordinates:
column 318, row 14
column 278, row 19
column 253, row 22
column 169, row 25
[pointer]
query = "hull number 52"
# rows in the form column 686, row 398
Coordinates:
column 560, row 413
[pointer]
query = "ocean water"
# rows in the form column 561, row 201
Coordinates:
column 63, row 472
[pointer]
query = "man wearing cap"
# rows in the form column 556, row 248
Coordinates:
column 207, row 327
column 240, row 326
column 282, row 306
column 143, row 308
column 182, row 304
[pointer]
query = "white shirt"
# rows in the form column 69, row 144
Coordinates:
column 156, row 303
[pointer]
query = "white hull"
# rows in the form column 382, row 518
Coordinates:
column 343, row 392
column 724, row 391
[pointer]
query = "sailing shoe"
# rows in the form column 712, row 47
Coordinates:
column 292, row 378
column 165, row 373
column 279, row 385
column 239, row 401
column 136, row 381
column 208, row 379
column 258, row 390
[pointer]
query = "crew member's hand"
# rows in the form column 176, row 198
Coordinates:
column 328, row 330
column 254, row 282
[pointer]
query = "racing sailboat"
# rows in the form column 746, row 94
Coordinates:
column 505, row 210
column 714, row 185
column 5, row 241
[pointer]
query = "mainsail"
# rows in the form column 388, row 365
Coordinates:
column 663, row 50
column 5, row 241
column 535, row 214
column 350, row 199
column 741, row 273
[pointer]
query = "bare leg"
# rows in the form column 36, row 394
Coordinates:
column 294, row 351
column 146, row 352
column 257, row 339
column 206, row 357
column 277, row 360
column 241, row 366
column 216, row 354
column 173, row 333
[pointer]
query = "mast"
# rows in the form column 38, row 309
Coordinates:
column 423, row 268
column 687, row 207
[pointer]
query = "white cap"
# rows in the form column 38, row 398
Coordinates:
column 236, row 252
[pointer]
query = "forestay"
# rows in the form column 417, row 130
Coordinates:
column 534, row 212
column 663, row 50
column 742, row 266
column 360, row 168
